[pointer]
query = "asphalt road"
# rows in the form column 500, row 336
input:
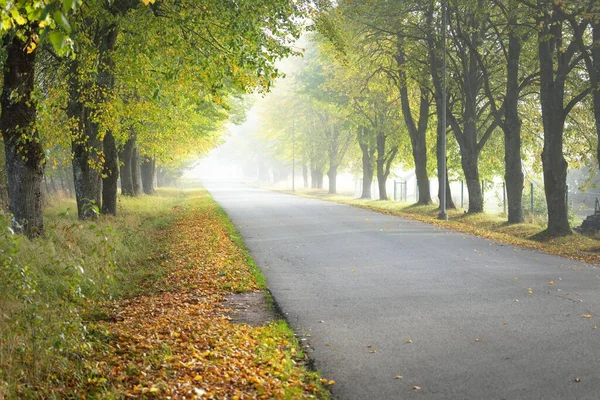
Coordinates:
column 378, row 297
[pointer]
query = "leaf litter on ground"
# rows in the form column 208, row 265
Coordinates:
column 180, row 342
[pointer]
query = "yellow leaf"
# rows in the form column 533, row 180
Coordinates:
column 587, row 315
column 198, row 378
column 551, row 283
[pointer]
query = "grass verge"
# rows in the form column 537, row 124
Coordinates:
column 576, row 246
column 132, row 306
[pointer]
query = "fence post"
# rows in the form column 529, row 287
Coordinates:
column 462, row 194
column 395, row 190
column 504, row 196
column 532, row 202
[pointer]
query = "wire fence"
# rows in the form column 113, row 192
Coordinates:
column 580, row 204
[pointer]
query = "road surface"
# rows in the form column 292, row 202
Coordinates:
column 379, row 297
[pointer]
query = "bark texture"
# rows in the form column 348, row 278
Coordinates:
column 513, row 169
column 384, row 163
column 136, row 172
column 24, row 157
column 85, row 148
column 368, row 161
column 555, row 58
column 148, row 168
column 106, row 82
column 126, row 173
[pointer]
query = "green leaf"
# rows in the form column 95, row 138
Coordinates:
column 62, row 21
column 58, row 40
column 67, row 5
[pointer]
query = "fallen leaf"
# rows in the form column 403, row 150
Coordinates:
column 577, row 380
column 409, row 340
column 417, row 387
column 551, row 283
column 587, row 315
column 398, row 377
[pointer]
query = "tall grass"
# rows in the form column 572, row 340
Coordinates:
column 50, row 287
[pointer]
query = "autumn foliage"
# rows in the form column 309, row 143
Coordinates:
column 179, row 342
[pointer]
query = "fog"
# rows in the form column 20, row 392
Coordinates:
column 285, row 143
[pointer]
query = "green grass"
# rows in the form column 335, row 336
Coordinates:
column 239, row 242
column 51, row 287
column 54, row 291
column 271, row 338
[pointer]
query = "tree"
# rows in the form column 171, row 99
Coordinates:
column 559, row 58
column 589, row 46
column 380, row 31
column 23, row 23
column 417, row 130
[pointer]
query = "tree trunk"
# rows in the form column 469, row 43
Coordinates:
column 470, row 166
column 24, row 155
column 136, row 172
column 61, row 175
column 305, row 175
column 87, row 180
column 381, row 185
column 368, row 172
column 85, row 149
column 420, row 158
column 316, row 177
column 596, row 91
column 53, row 185
column 552, row 91
column 513, row 170
column 332, row 175
column 147, row 170
column 449, row 202
column 434, row 50
column 418, row 138
column 127, row 162
column 110, row 175
column 384, row 162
